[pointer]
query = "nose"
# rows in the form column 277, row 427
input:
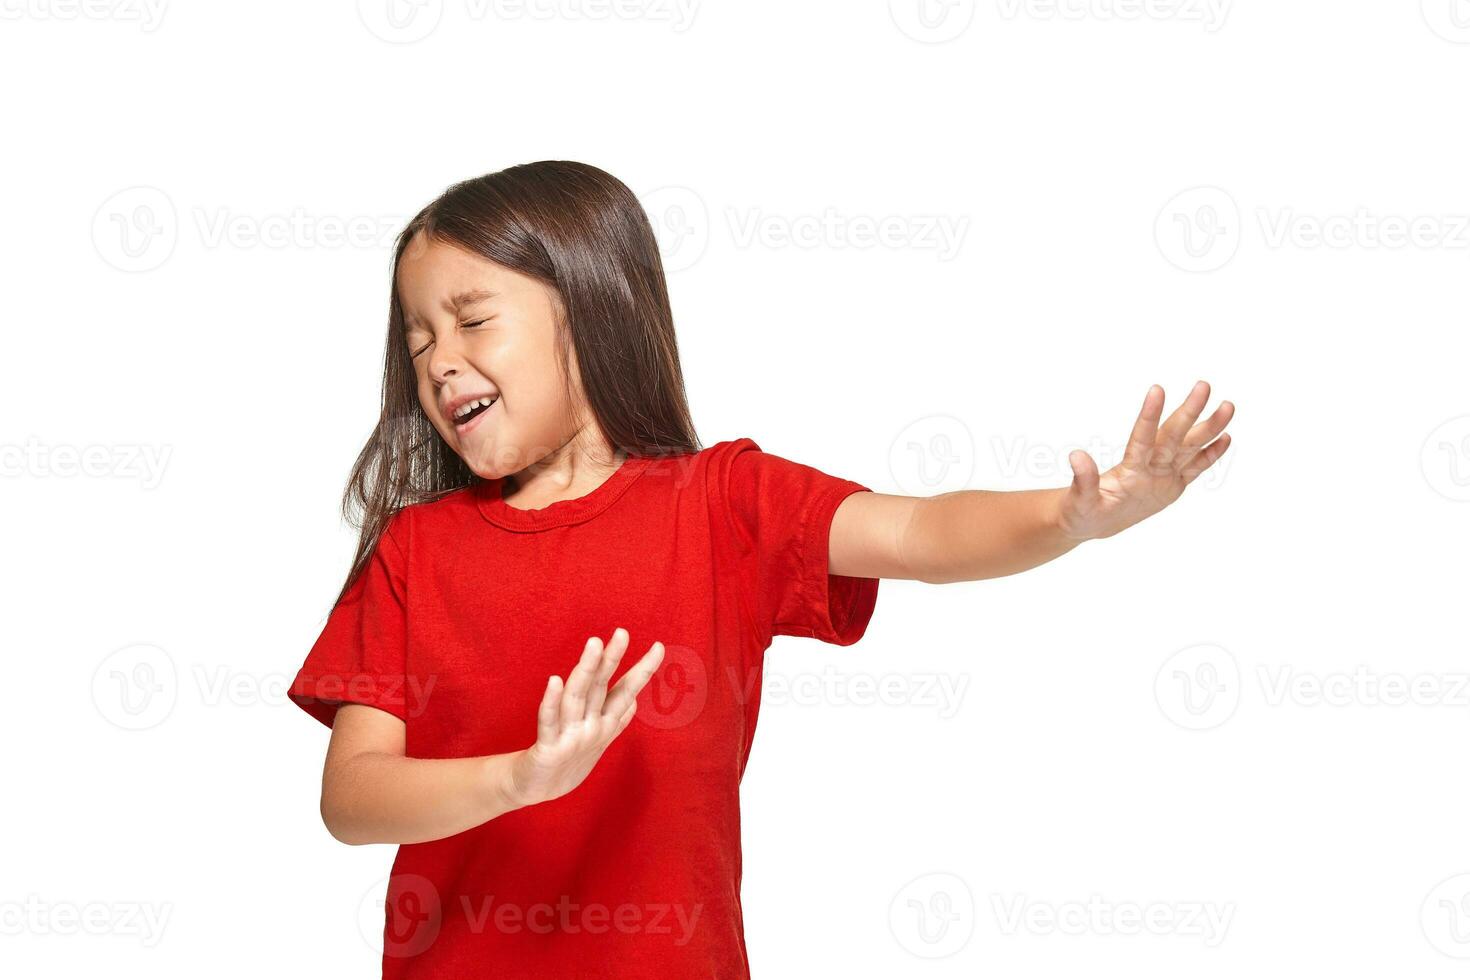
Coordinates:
column 444, row 363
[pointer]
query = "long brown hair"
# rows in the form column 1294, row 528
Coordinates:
column 582, row 232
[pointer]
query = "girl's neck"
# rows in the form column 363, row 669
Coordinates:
column 572, row 470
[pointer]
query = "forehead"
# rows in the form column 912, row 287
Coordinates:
column 436, row 278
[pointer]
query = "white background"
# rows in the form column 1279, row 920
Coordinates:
column 1243, row 721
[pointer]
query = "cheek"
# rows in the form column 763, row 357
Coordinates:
column 428, row 400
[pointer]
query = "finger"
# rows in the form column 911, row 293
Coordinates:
column 547, row 719
column 1206, row 431
column 616, row 725
column 1171, row 434
column 611, row 655
column 1084, row 473
column 632, row 683
column 1206, row 458
column 1141, row 439
column 574, row 701
column 626, row 690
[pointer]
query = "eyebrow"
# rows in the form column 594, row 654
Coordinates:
column 455, row 303
column 463, row 299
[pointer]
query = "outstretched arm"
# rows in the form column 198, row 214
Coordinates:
column 975, row 534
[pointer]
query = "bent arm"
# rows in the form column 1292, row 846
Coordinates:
column 952, row 537
column 373, row 794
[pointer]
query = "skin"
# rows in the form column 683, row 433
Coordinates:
column 550, row 448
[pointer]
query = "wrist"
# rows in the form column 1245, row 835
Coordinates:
column 502, row 796
column 1059, row 520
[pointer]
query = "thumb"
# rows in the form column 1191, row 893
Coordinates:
column 1084, row 473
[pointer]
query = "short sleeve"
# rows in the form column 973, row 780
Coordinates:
column 783, row 510
column 360, row 655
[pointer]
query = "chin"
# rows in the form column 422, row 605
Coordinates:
column 485, row 472
column 480, row 467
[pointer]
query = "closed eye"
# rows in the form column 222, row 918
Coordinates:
column 472, row 323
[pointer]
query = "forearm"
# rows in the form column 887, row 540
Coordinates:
column 975, row 534
column 384, row 798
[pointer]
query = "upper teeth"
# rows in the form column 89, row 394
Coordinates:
column 469, row 407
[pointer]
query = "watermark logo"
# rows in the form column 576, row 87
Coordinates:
column 932, row 21
column 1445, row 459
column 400, row 21
column 403, row 915
column 1445, row 917
column 400, row 915
column 1198, row 230
column 136, row 229
column 1198, row 687
column 136, row 687
column 933, row 916
column 681, row 225
column 1201, row 686
column 1201, row 229
column 932, row 455
column 676, row 693
column 1450, row 19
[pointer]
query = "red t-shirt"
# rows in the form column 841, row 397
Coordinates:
column 467, row 607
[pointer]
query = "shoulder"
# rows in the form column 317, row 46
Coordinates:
column 722, row 454
column 725, row 450
column 717, row 466
column 754, row 485
column 746, row 468
column 427, row 518
column 705, row 469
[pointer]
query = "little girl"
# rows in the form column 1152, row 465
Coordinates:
column 534, row 484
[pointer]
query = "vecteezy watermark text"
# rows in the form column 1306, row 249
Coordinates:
column 1097, row 916
column 36, row 916
column 148, row 14
column 941, row 234
column 1201, row 686
column 1211, row 14
column 120, row 461
column 1201, row 230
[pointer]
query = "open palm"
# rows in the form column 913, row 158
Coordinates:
column 1159, row 462
column 577, row 722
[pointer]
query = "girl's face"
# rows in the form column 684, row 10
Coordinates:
column 479, row 331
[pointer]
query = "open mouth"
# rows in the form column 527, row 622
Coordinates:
column 470, row 411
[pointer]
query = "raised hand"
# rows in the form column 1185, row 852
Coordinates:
column 1157, row 465
column 576, row 723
